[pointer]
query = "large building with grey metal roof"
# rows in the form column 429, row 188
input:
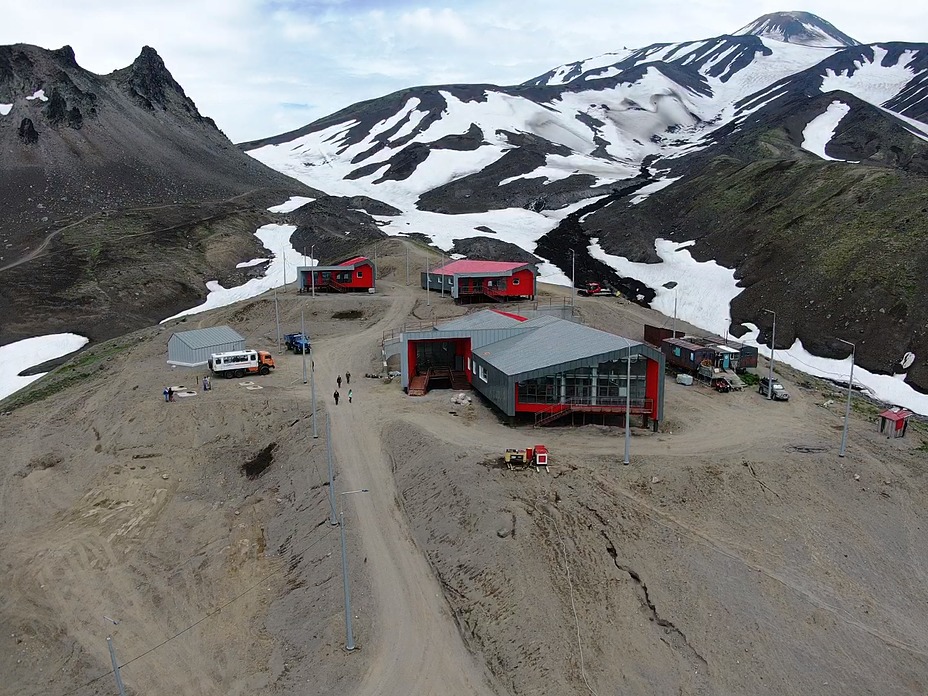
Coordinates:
column 193, row 348
column 546, row 367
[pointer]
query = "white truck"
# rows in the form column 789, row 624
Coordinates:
column 238, row 363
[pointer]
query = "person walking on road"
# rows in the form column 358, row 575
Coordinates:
column 335, row 395
column 170, row 393
column 165, row 395
column 349, row 396
column 338, row 381
column 347, row 378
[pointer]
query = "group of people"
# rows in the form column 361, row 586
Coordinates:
column 338, row 382
column 169, row 391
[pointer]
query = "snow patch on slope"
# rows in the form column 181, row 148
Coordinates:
column 707, row 288
column 870, row 80
column 281, row 270
column 20, row 356
column 5, row 109
column 291, row 204
column 821, row 129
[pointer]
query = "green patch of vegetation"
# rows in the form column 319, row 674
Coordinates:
column 349, row 314
column 750, row 379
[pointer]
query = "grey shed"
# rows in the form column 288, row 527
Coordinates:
column 193, row 348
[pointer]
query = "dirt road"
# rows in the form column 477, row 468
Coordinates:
column 416, row 645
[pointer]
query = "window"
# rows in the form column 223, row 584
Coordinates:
column 515, row 281
column 676, row 351
column 473, row 368
column 360, row 274
column 468, row 364
column 483, row 373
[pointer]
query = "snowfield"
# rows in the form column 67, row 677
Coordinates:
column 280, row 271
column 821, row 129
column 21, row 355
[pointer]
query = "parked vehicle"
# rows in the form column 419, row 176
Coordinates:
column 593, row 289
column 239, row 363
column 296, row 341
column 779, row 391
column 536, row 456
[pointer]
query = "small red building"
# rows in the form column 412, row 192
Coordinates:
column 468, row 280
column 353, row 275
column 894, row 422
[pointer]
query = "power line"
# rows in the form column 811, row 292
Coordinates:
column 196, row 623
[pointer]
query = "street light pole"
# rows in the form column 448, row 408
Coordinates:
column 773, row 342
column 573, row 276
column 312, row 389
column 303, row 343
column 312, row 273
column 349, row 634
column 628, row 405
column 847, row 408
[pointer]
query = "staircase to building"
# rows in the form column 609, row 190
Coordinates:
column 420, row 384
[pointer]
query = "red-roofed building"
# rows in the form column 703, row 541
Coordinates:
column 354, row 275
column 894, row 422
column 468, row 280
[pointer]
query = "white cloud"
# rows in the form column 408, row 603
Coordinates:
column 242, row 60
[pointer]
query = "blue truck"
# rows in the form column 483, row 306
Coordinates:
column 297, row 342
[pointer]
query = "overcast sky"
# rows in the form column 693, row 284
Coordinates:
column 262, row 67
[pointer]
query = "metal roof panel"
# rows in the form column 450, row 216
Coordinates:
column 204, row 338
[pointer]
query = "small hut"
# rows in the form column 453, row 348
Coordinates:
column 894, row 422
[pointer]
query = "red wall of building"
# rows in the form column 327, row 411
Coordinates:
column 652, row 385
column 526, row 286
column 367, row 277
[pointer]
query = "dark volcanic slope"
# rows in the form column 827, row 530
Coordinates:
column 127, row 139
column 104, row 175
column 838, row 249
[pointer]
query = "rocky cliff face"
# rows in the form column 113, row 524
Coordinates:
column 102, row 175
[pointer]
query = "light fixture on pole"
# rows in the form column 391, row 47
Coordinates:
column 847, row 408
column 773, row 341
column 349, row 633
column 628, row 405
column 672, row 285
column 312, row 273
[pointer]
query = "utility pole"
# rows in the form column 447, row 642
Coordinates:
column 312, row 273
column 773, row 341
column 277, row 316
column 333, row 519
column 628, row 406
column 847, row 408
column 303, row 343
column 443, row 274
column 109, row 644
column 407, row 264
column 428, row 283
column 284, row 252
column 312, row 382
column 375, row 262
column 674, row 329
column 573, row 276
column 349, row 634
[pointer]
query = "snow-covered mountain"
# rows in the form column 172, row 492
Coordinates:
column 798, row 27
column 572, row 155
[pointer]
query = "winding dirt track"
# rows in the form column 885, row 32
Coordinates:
column 416, row 645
